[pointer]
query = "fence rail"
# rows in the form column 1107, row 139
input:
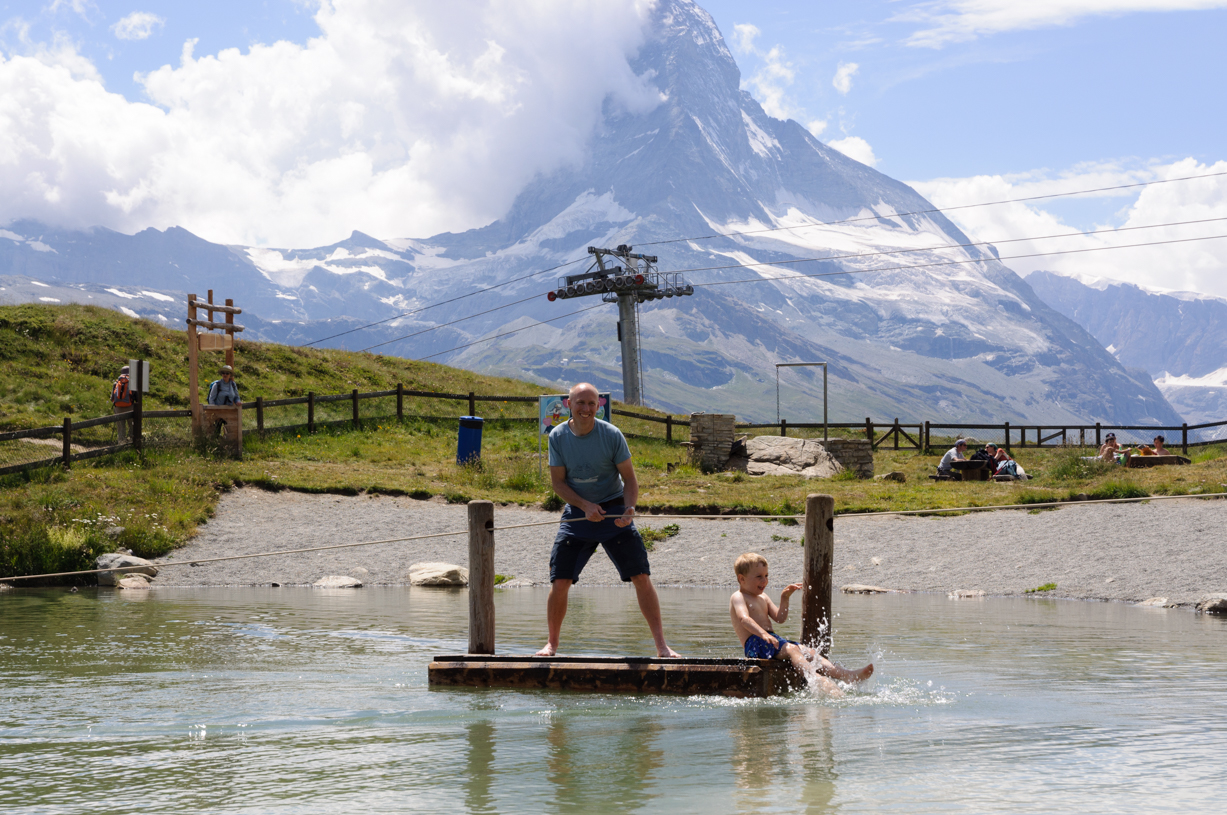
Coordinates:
column 894, row 435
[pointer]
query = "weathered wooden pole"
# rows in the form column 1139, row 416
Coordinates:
column 400, row 402
column 819, row 564
column 1184, row 439
column 481, row 577
column 472, row 403
column 310, row 411
column 67, row 439
column 354, row 397
column 260, row 413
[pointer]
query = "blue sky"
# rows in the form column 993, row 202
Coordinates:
column 966, row 99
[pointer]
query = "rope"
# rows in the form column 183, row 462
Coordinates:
column 201, row 561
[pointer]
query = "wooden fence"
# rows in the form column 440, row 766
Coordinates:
column 894, row 435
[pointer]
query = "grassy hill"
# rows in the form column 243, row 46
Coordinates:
column 60, row 360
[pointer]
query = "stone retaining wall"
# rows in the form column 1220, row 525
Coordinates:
column 852, row 454
column 711, row 439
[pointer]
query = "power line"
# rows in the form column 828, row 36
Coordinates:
column 831, row 274
column 955, row 262
column 812, row 260
column 443, row 303
column 936, row 209
column 949, row 246
column 770, row 229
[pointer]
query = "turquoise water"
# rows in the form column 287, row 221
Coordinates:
column 315, row 701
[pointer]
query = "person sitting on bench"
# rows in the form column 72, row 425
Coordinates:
column 955, row 453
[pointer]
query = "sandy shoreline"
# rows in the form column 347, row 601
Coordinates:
column 1125, row 552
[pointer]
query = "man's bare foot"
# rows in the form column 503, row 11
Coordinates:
column 547, row 651
column 668, row 652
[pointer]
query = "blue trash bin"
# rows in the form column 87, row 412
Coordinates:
column 468, row 443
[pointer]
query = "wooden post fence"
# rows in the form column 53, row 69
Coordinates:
column 260, row 413
column 669, row 429
column 1007, row 437
column 818, row 570
column 472, row 403
column 1184, row 439
column 783, row 427
column 67, row 448
column 138, row 399
column 355, row 400
column 310, row 411
column 481, row 577
column 400, row 402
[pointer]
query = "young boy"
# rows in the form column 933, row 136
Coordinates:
column 752, row 613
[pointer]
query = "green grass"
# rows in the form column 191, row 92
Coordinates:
column 56, row 356
column 652, row 536
column 1038, row 589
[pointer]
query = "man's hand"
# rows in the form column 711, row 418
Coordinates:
column 628, row 516
column 593, row 512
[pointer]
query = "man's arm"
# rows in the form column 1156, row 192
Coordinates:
column 630, row 492
column 558, row 480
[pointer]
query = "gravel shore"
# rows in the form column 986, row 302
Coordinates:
column 1128, row 552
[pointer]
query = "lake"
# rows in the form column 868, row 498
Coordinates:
column 280, row 700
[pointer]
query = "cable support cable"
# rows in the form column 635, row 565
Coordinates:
column 951, row 262
column 937, row 209
column 453, row 322
column 445, row 302
column 513, row 331
column 856, row 255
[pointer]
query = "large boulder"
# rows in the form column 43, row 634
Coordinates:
column 1213, row 604
column 133, row 581
column 438, row 574
column 338, row 581
column 116, row 560
column 781, row 455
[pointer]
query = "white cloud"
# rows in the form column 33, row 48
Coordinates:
column 1199, row 266
column 842, row 81
column 854, row 147
column 138, row 25
column 400, row 119
column 744, row 35
column 950, row 21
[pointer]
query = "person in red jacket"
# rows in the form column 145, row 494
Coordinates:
column 121, row 400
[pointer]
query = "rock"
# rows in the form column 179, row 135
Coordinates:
column 966, row 594
column 876, row 561
column 857, row 588
column 115, row 560
column 360, row 573
column 1154, row 601
column 5, row 587
column 133, row 581
column 518, row 583
column 1213, row 604
column 338, row 581
column 892, row 476
column 782, row 455
column 438, row 574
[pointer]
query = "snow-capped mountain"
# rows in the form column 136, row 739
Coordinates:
column 914, row 322
column 1178, row 338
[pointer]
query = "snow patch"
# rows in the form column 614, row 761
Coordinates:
column 50, row 299
column 128, row 311
column 125, row 295
column 13, row 236
column 1215, row 379
column 36, row 283
column 39, row 246
column 158, row 296
column 760, row 141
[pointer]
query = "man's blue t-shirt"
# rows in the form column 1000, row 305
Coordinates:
column 591, row 460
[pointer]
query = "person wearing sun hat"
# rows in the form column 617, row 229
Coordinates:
column 224, row 391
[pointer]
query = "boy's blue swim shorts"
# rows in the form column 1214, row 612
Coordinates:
column 759, row 648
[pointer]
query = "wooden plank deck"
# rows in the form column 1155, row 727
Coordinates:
column 700, row 676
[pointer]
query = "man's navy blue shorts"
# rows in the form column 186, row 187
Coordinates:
column 578, row 539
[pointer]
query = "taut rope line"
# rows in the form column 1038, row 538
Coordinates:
column 200, row 561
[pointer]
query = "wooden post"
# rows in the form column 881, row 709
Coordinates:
column 1007, row 436
column 472, row 403
column 1082, row 437
column 229, row 332
column 818, row 568
column 869, row 432
column 355, row 399
column 896, row 432
column 260, row 413
column 481, row 577
column 310, row 411
column 67, row 438
column 400, row 402
column 1184, row 439
column 783, row 427
column 925, row 448
column 138, row 406
column 193, row 376
column 1098, row 441
column 669, row 428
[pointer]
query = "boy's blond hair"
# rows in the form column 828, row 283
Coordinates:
column 747, row 562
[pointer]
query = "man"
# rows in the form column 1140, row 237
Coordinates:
column 224, row 391
column 591, row 469
column 955, row 453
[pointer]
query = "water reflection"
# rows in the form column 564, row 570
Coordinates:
column 479, row 767
column 784, row 750
column 612, row 773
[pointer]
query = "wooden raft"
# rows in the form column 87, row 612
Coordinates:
column 481, row 668
column 700, row 676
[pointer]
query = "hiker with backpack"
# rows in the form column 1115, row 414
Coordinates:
column 121, row 400
column 224, row 391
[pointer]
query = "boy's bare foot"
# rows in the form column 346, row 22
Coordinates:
column 862, row 674
column 828, row 668
column 668, row 652
column 547, row 651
